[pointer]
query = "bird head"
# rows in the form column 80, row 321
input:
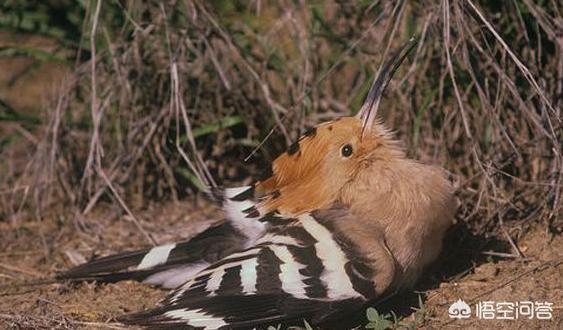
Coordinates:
column 326, row 161
column 331, row 157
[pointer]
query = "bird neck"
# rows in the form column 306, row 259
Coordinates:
column 411, row 203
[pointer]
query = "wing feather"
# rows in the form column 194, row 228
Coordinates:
column 297, row 271
column 168, row 265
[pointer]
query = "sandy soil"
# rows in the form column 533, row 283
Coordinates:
column 33, row 250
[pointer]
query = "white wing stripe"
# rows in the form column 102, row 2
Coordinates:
column 243, row 253
column 216, row 275
column 156, row 256
column 173, row 278
column 278, row 239
column 232, row 192
column 249, row 276
column 215, row 280
column 334, row 261
column 251, row 227
column 291, row 279
column 196, row 318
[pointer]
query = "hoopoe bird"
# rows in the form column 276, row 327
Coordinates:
column 344, row 220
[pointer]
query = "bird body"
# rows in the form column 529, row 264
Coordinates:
column 344, row 219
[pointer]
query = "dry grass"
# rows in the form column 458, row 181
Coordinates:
column 177, row 94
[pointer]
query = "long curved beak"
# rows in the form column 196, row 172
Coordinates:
column 369, row 109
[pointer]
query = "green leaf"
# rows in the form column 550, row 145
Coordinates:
column 372, row 314
column 386, row 324
column 225, row 122
column 190, row 176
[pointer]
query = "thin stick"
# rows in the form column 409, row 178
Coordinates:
column 201, row 171
column 446, row 18
column 94, row 142
column 502, row 254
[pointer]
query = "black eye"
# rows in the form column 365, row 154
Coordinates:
column 346, row 150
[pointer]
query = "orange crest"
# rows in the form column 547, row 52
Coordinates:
column 313, row 170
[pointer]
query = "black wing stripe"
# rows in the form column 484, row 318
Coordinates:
column 211, row 245
column 314, row 287
column 198, row 289
column 360, row 282
column 301, row 235
column 251, row 212
column 269, row 268
column 231, row 282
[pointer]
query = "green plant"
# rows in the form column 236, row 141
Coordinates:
column 419, row 317
column 380, row 321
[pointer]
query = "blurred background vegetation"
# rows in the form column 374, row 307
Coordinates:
column 149, row 100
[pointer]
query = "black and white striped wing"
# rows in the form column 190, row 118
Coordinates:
column 299, row 271
column 168, row 265
column 241, row 208
column 171, row 265
column 244, row 211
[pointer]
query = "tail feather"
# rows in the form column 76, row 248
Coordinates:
column 167, row 265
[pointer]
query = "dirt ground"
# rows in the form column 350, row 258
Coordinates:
column 33, row 250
